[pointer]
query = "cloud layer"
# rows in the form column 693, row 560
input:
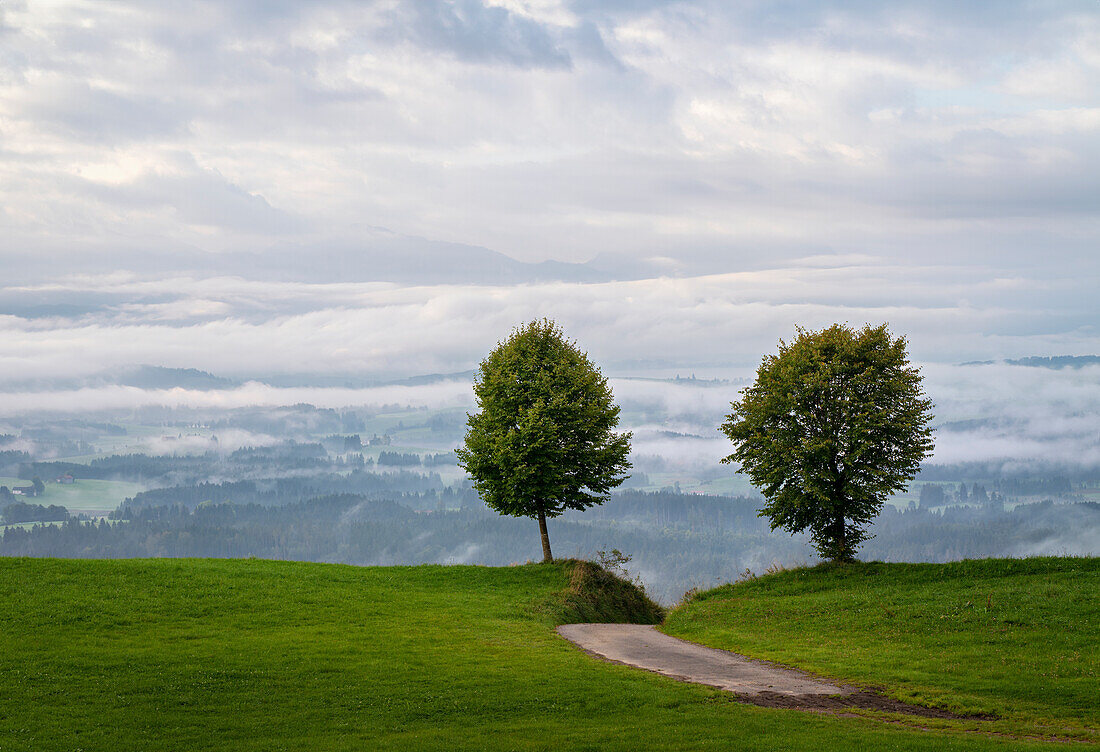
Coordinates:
column 268, row 189
column 980, row 416
column 247, row 328
column 705, row 133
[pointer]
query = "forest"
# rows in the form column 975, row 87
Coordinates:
column 380, row 485
column 677, row 541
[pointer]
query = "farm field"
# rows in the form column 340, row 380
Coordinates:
column 252, row 654
column 87, row 496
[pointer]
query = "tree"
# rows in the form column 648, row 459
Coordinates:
column 932, row 496
column 833, row 424
column 39, row 486
column 543, row 440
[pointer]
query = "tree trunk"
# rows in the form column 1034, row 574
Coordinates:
column 546, row 555
column 840, row 542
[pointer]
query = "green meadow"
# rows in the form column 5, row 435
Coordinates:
column 176, row 654
column 1014, row 639
column 97, row 496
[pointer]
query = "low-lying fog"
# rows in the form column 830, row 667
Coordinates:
column 257, row 394
column 984, row 412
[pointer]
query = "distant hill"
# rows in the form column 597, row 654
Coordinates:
column 386, row 256
column 356, row 381
column 374, row 254
column 141, row 376
column 159, row 377
column 686, row 380
column 1055, row 362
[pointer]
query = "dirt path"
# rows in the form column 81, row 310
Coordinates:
column 758, row 682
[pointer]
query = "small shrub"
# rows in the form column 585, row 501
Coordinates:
column 748, row 575
column 688, row 596
column 596, row 595
column 615, row 561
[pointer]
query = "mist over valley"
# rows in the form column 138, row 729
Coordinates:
column 181, row 462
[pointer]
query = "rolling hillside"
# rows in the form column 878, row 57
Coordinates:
column 256, row 655
column 1011, row 639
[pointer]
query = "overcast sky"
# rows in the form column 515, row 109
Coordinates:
column 561, row 130
column 731, row 170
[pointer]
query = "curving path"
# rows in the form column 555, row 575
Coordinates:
column 754, row 681
column 643, row 646
column 751, row 681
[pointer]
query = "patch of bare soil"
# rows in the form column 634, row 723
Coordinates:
column 861, row 699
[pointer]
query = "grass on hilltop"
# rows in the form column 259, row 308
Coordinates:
column 176, row 654
column 1011, row 638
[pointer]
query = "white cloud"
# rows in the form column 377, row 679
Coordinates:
column 247, row 328
column 545, row 129
column 114, row 398
column 186, row 442
column 743, row 168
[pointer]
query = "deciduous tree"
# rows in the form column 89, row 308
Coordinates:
column 834, row 423
column 543, row 440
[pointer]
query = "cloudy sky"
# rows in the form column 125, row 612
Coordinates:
column 262, row 187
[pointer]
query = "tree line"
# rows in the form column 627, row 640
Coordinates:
column 677, row 541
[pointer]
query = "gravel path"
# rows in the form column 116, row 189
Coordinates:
column 757, row 682
column 643, row 646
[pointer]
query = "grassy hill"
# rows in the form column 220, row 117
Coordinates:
column 170, row 654
column 1018, row 639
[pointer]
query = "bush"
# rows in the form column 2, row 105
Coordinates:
column 597, row 596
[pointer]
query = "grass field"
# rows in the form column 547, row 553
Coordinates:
column 1016, row 638
column 91, row 496
column 169, row 654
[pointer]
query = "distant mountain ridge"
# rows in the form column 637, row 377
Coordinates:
column 160, row 377
column 1054, row 362
column 1057, row 361
column 373, row 254
column 389, row 257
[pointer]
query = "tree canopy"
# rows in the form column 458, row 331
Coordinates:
column 834, row 423
column 544, row 438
